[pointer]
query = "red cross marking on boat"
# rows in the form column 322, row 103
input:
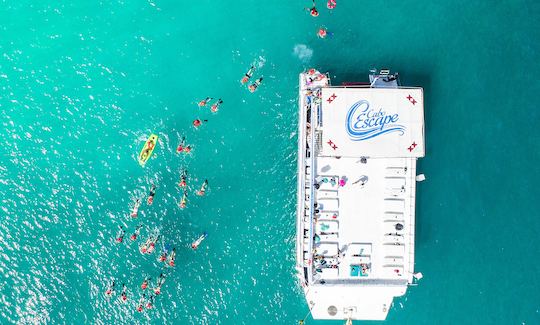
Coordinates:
column 411, row 99
column 331, row 98
column 332, row 144
column 413, row 145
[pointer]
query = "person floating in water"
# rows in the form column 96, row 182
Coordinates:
column 183, row 178
column 198, row 122
column 254, row 85
column 331, row 4
column 180, row 147
column 202, row 191
column 144, row 247
column 151, row 196
column 163, row 256
column 123, row 295
column 144, row 285
column 150, row 302
column 198, row 241
column 135, row 210
column 110, row 289
column 136, row 233
column 160, row 281
column 120, row 235
column 172, row 257
column 183, row 201
column 215, row 106
column 323, row 33
column 205, row 101
column 313, row 10
column 141, row 303
column 152, row 245
column 248, row 75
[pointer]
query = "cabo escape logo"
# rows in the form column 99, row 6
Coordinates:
column 363, row 123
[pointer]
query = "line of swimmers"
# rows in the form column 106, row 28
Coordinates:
column 143, row 302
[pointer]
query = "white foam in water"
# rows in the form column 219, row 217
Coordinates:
column 303, row 52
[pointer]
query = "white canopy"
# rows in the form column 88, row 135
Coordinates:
column 372, row 122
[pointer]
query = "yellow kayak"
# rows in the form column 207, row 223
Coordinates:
column 148, row 148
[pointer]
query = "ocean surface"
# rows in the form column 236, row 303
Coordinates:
column 84, row 83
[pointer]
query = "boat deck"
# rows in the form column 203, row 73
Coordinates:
column 360, row 231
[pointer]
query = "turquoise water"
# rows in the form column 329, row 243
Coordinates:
column 83, row 84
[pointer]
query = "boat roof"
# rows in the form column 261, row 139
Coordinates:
column 372, row 122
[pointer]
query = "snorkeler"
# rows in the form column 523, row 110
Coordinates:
column 135, row 210
column 180, row 147
column 248, row 75
column 144, row 285
column 215, row 106
column 183, row 201
column 198, row 241
column 123, row 295
column 136, row 233
column 150, row 302
column 151, row 196
column 313, row 10
column 322, row 33
column 110, row 289
column 183, row 178
column 197, row 122
column 254, row 85
column 172, row 257
column 160, row 281
column 120, row 235
column 144, row 247
column 205, row 101
column 163, row 256
column 152, row 245
column 141, row 303
column 202, row 191
column 331, row 4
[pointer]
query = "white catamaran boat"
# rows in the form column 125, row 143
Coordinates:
column 357, row 152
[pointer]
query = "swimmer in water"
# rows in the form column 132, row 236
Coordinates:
column 205, row 101
column 183, row 178
column 135, row 210
column 144, row 247
column 160, row 281
column 248, row 75
column 198, row 241
column 215, row 106
column 183, row 201
column 141, row 303
column 151, row 196
column 120, row 235
column 136, row 233
column 144, row 285
column 163, row 256
column 254, row 85
column 322, row 33
column 110, row 289
column 313, row 10
column 123, row 295
column 197, row 122
column 180, row 147
column 150, row 302
column 187, row 149
column 202, row 191
column 331, row 4
column 172, row 257
column 152, row 245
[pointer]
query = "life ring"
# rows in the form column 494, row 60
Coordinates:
column 331, row 4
